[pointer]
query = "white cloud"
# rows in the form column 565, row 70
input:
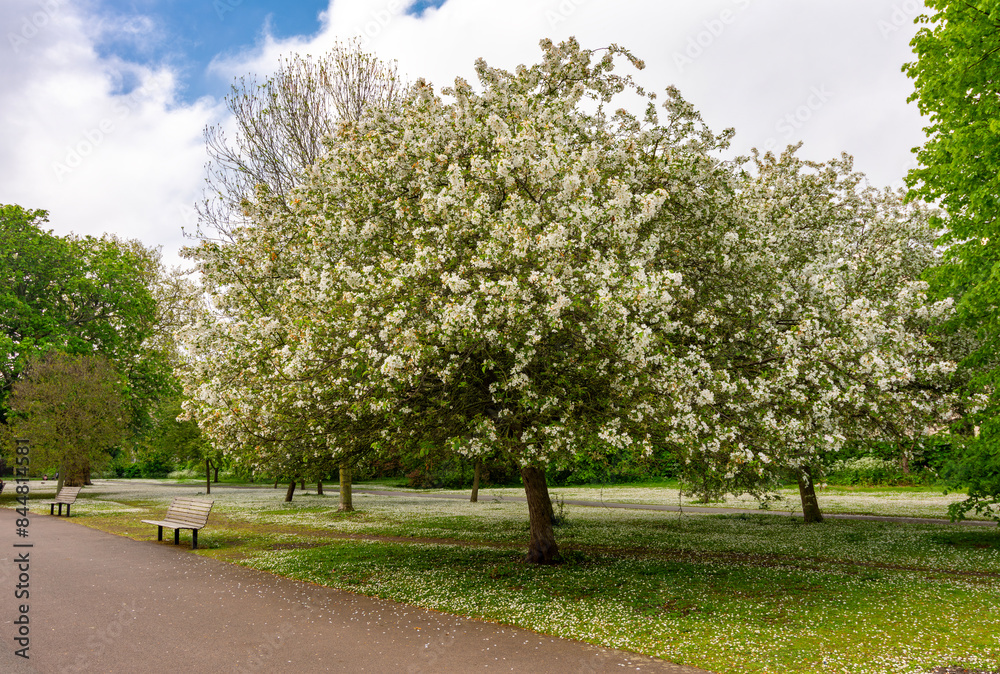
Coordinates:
column 748, row 64
column 752, row 64
column 99, row 162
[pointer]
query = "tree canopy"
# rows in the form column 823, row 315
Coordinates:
column 80, row 295
column 956, row 80
column 529, row 268
column 280, row 125
column 72, row 409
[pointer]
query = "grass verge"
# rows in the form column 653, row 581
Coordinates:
column 730, row 593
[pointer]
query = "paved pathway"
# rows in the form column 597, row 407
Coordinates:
column 104, row 603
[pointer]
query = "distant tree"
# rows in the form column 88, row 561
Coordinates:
column 283, row 126
column 822, row 331
column 72, row 409
column 282, row 123
column 81, row 295
column 956, row 80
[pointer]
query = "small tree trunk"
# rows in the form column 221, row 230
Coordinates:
column 215, row 470
column 345, row 489
column 807, row 492
column 319, row 488
column 208, row 476
column 904, row 459
column 303, row 487
column 542, row 548
column 291, row 490
column 475, row 481
column 61, row 480
column 276, row 482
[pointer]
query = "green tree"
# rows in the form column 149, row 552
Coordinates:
column 81, row 295
column 72, row 408
column 957, row 86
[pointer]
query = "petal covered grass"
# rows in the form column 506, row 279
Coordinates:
column 728, row 593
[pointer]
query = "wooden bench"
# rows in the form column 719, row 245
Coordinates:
column 184, row 513
column 65, row 497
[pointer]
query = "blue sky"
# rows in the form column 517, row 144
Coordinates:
column 189, row 34
column 103, row 103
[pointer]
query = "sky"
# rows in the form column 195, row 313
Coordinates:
column 104, row 103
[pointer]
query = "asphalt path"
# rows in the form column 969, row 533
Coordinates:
column 103, row 603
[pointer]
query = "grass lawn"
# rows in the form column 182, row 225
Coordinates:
column 729, row 593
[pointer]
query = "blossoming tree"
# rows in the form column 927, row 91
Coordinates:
column 811, row 327
column 279, row 125
column 526, row 268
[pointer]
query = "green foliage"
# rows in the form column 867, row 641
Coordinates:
column 614, row 466
column 873, row 463
column 977, row 467
column 148, row 465
column 71, row 408
column 866, row 470
column 79, row 295
column 957, row 86
column 433, row 467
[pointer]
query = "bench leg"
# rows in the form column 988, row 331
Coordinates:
column 177, row 536
column 59, row 514
column 52, row 508
column 159, row 535
column 194, row 539
column 67, row 509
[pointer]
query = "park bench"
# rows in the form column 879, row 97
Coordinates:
column 65, row 497
column 184, row 513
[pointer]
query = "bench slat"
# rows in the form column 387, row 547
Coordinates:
column 185, row 513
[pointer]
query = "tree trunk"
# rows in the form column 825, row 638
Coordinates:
column 319, row 488
column 475, row 481
column 904, row 459
column 345, row 489
column 208, row 476
column 75, row 475
column 215, row 470
column 303, row 487
column 291, row 490
column 542, row 548
column 60, row 478
column 276, row 482
column 807, row 492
